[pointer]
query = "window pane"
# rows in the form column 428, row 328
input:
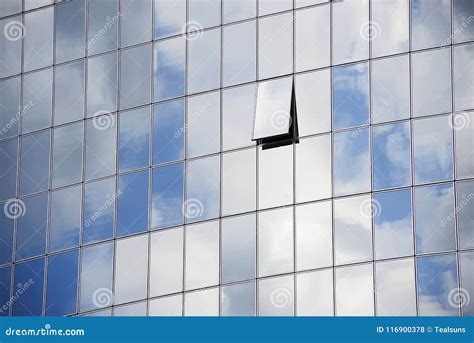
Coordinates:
column 202, row 249
column 202, row 303
column 393, row 224
column 313, row 98
column 390, row 27
column 239, row 55
column 131, row 269
column 5, row 285
column 61, row 294
column 132, row 203
column 204, row 66
column 69, row 92
column 430, row 23
column 275, row 39
column 467, row 280
column 168, row 132
column 315, row 293
column 11, row 49
column 135, row 69
column 38, row 43
column 167, row 196
column 391, row 155
column 239, row 182
column 238, row 109
column 166, row 306
column 170, row 17
column 432, row 149
column 464, row 76
column 390, row 89
column 395, row 288
column 314, row 235
column 437, row 277
column 134, row 145
column 272, row 114
column 8, row 166
column 34, row 163
column 98, row 217
column 101, row 84
column 355, row 280
column 313, row 168
column 313, row 38
column 65, row 224
column 37, row 91
column 6, row 240
column 349, row 18
column 131, row 310
column 238, row 300
column 135, row 21
column 205, row 12
column 273, row 6
column 9, row 110
column 31, row 302
column 275, row 242
column 353, row 229
column 203, row 124
column 70, row 30
column 465, row 209
column 276, row 296
column 103, row 24
column 67, row 154
column 431, row 74
column 434, row 226
column 351, row 162
column 464, row 131
column 275, row 177
column 166, row 262
column 238, row 248
column 32, row 4
column 31, row 227
column 168, row 68
column 462, row 17
column 351, row 95
column 238, row 10
column 9, row 7
column 202, row 189
column 101, row 146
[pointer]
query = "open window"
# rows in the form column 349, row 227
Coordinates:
column 275, row 122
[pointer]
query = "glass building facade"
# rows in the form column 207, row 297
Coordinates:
column 130, row 183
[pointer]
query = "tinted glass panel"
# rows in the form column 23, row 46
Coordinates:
column 31, row 227
column 31, row 302
column 38, row 43
column 5, row 284
column 132, row 206
column 465, row 209
column 272, row 114
column 131, row 310
column 315, row 293
column 205, row 12
column 11, row 49
column 168, row 68
column 10, row 105
column 464, row 75
column 166, row 306
column 70, row 30
column 464, row 133
column 61, row 294
column 355, row 280
column 393, row 224
column 32, row 4
column 34, row 163
column 467, row 280
column 167, row 196
column 350, row 95
column 276, row 296
column 202, row 303
column 8, row 166
column 102, row 25
column 434, row 227
column 135, row 21
column 101, row 146
column 170, row 17
column 37, row 92
column 67, row 154
column 462, row 16
column 6, row 240
column 275, row 242
column 9, row 7
column 101, row 84
column 168, row 132
column 430, row 23
column 65, row 218
column 69, row 92
column 238, row 300
column 273, row 6
column 134, row 144
column 238, row 248
column 238, row 10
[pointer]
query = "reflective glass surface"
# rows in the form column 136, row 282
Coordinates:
column 202, row 303
column 205, row 12
column 467, row 281
column 34, row 162
column 463, row 70
column 134, row 139
column 430, row 23
column 11, row 49
column 354, row 280
column 37, row 92
column 67, row 154
column 276, row 296
column 8, row 167
column 69, row 92
column 238, row 300
column 31, row 302
column 9, row 108
column 70, row 30
column 135, row 20
column 6, row 240
column 170, row 17
column 465, row 208
column 463, row 124
column 103, row 18
column 101, row 84
column 166, row 306
column 100, row 147
column 168, row 131
column 462, row 11
column 168, row 68
column 238, row 10
column 315, row 293
column 38, row 43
